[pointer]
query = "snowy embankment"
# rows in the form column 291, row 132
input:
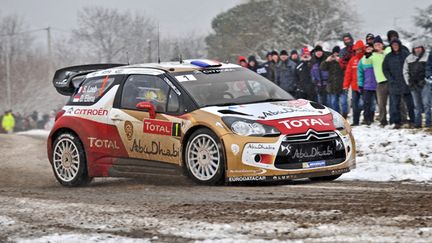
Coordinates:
column 385, row 154
column 38, row 133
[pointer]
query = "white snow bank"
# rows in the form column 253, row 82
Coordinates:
column 6, row 221
column 39, row 133
column 83, row 238
column 385, row 154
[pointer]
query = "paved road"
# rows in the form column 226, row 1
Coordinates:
column 34, row 206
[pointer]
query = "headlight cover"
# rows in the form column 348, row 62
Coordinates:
column 246, row 127
column 338, row 120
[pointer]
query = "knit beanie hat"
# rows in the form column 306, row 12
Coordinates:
column 284, row 53
column 378, row 39
column 336, row 49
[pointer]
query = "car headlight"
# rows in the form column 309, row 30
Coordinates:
column 245, row 127
column 338, row 120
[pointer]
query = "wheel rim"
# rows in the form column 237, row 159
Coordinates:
column 66, row 159
column 203, row 157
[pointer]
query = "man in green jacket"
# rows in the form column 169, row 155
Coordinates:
column 376, row 60
column 8, row 121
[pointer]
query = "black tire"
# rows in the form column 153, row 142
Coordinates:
column 325, row 178
column 215, row 174
column 76, row 176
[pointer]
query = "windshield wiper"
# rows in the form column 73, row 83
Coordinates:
column 223, row 104
column 250, row 102
column 267, row 100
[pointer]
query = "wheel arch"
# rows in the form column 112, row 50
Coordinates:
column 61, row 130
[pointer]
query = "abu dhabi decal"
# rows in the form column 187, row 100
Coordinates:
column 155, row 148
column 313, row 153
column 261, row 146
column 162, row 127
column 285, row 110
column 259, row 153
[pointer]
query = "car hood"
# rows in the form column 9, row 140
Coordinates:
column 271, row 110
column 289, row 117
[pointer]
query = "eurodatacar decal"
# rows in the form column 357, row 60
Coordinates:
column 154, row 149
column 162, row 127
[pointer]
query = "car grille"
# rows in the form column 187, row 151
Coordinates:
column 310, row 149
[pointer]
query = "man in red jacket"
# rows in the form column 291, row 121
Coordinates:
column 350, row 81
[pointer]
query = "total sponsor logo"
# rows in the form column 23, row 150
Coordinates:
column 162, row 127
column 296, row 123
column 301, row 124
column 102, row 143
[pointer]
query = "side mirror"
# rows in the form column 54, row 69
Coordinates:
column 147, row 106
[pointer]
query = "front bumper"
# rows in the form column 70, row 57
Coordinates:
column 283, row 158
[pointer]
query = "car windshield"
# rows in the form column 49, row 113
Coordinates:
column 229, row 86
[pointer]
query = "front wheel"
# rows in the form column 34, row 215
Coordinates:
column 325, row 178
column 69, row 161
column 204, row 158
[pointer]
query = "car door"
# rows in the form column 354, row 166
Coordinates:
column 145, row 121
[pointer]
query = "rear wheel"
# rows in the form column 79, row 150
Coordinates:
column 204, row 158
column 69, row 161
column 325, row 178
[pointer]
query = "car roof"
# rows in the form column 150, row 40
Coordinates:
column 160, row 68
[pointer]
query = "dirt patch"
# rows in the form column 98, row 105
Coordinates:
column 34, row 205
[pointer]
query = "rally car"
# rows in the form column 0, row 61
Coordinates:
column 215, row 122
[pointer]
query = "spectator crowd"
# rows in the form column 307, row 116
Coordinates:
column 371, row 73
column 16, row 122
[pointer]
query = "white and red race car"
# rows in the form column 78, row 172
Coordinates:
column 216, row 122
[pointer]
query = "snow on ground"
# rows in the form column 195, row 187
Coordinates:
column 385, row 154
column 83, row 238
column 84, row 217
column 39, row 133
column 6, row 221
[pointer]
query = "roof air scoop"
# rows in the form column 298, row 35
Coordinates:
column 204, row 63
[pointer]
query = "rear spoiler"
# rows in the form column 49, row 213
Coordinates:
column 62, row 80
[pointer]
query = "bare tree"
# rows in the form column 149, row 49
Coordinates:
column 16, row 42
column 189, row 46
column 423, row 24
column 261, row 25
column 111, row 35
